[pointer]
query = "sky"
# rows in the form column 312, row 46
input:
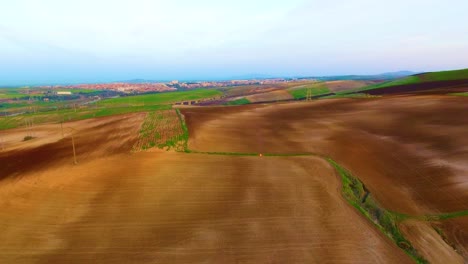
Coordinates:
column 57, row 41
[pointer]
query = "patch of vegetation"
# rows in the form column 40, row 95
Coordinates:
column 82, row 91
column 354, row 192
column 316, row 89
column 354, row 95
column 444, row 237
column 161, row 129
column 67, row 115
column 185, row 134
column 445, row 75
column 26, row 138
column 419, row 78
column 460, row 94
column 403, row 81
column 161, row 98
column 241, row 101
column 446, row 216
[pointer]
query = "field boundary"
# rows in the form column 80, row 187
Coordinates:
column 354, row 192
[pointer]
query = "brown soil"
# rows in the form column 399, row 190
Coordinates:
column 94, row 138
column 429, row 243
column 437, row 87
column 337, row 86
column 186, row 208
column 456, row 232
column 409, row 151
column 270, row 96
column 166, row 207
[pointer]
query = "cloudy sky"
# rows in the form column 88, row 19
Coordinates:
column 58, row 41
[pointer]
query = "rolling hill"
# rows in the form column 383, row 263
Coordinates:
column 433, row 82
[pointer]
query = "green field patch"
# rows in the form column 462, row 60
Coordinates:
column 50, row 112
column 161, row 129
column 402, row 81
column 241, row 101
column 13, row 95
column 68, row 115
column 460, row 94
column 414, row 79
column 444, row 76
column 316, row 89
column 161, row 98
column 354, row 95
column 358, row 196
column 81, row 91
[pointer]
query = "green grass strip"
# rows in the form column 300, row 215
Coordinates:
column 185, row 135
column 360, row 198
column 241, row 101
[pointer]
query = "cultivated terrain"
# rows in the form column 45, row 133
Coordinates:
column 336, row 171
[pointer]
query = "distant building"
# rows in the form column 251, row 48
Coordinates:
column 63, row 93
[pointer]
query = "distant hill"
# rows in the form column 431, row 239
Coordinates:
column 397, row 74
column 419, row 82
column 382, row 76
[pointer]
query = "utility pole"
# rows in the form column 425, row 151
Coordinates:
column 2, row 147
column 32, row 126
column 75, row 161
column 74, row 152
column 309, row 94
column 61, row 126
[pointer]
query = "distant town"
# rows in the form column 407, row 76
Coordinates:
column 146, row 87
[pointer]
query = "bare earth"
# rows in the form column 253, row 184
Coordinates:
column 338, row 86
column 410, row 152
column 425, row 239
column 270, row 96
column 165, row 207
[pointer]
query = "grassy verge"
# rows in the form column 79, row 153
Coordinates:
column 444, row 216
column 420, row 78
column 161, row 98
column 242, row 101
column 359, row 197
column 185, row 134
column 460, row 94
column 354, row 192
column 355, row 96
column 161, row 129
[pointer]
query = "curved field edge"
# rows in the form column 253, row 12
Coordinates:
column 356, row 194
